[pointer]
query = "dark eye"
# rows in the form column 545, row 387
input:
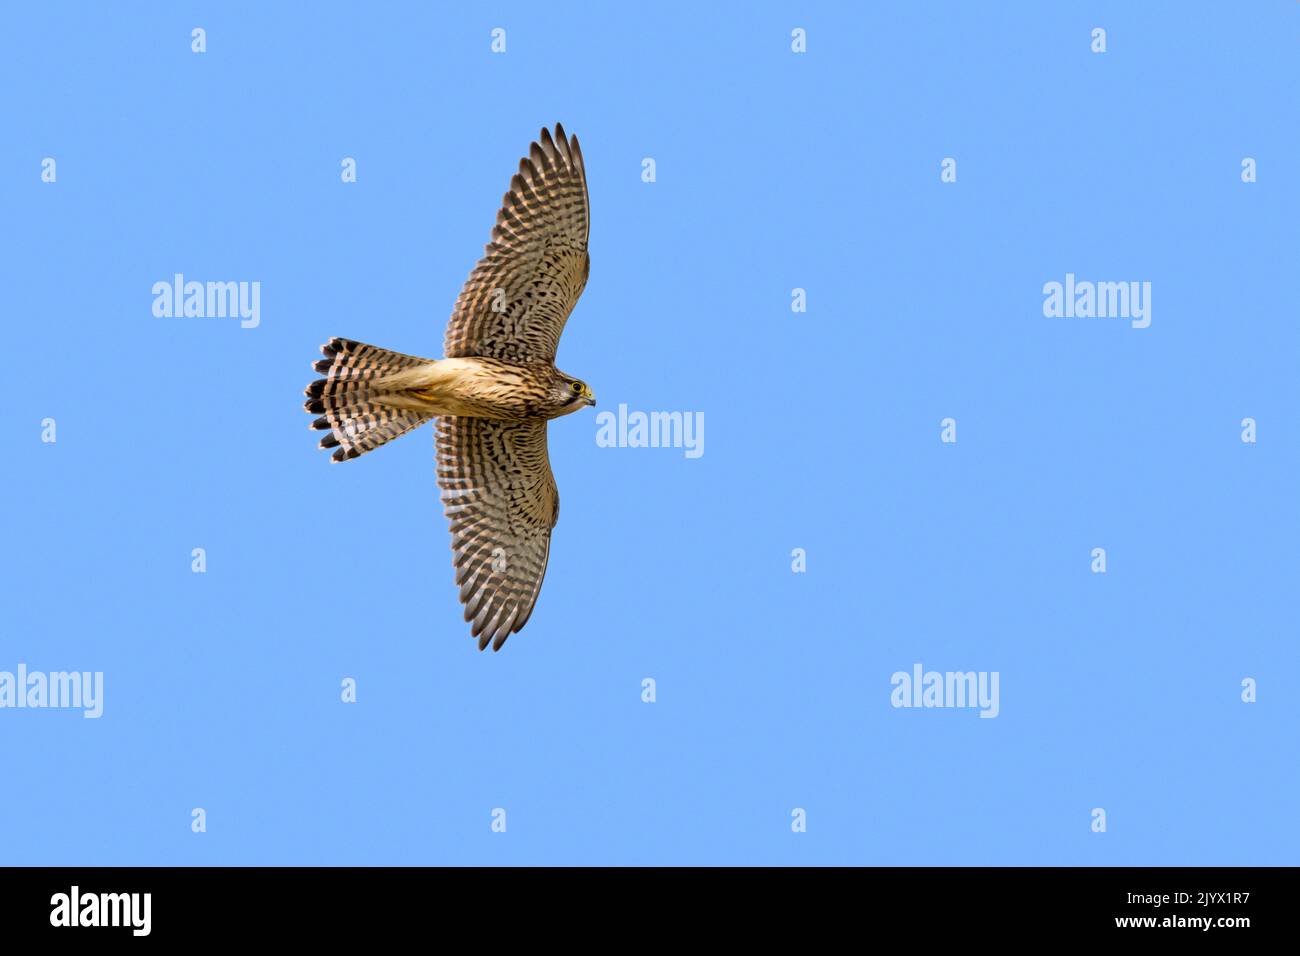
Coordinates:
column 577, row 388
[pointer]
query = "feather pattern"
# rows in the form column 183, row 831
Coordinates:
column 518, row 297
column 348, row 398
column 501, row 501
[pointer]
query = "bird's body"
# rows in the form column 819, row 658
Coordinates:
column 492, row 394
column 480, row 388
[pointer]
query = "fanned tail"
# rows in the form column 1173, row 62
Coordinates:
column 349, row 398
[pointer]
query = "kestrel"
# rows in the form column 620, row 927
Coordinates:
column 492, row 394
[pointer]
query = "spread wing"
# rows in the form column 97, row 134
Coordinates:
column 515, row 303
column 500, row 497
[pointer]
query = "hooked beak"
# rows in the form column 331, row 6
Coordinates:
column 591, row 399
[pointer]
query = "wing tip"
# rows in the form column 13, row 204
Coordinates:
column 564, row 145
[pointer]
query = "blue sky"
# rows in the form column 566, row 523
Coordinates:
column 774, row 171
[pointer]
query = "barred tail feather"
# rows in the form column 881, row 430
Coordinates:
column 348, row 398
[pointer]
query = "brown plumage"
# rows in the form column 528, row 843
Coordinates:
column 493, row 393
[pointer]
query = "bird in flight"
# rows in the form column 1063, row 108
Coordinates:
column 491, row 395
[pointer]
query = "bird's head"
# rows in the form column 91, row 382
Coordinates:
column 569, row 394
